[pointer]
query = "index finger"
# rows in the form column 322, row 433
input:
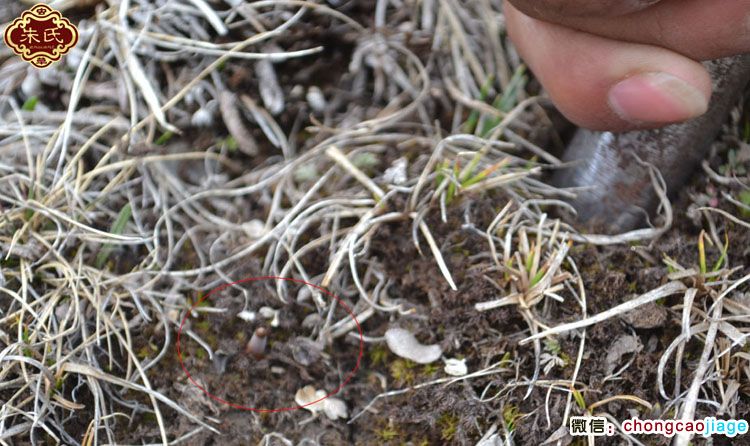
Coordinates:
column 553, row 10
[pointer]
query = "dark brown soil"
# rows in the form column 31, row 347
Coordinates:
column 454, row 414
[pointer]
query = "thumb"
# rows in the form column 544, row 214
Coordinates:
column 603, row 84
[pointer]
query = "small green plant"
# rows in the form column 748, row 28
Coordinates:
column 553, row 356
column 552, row 346
column 723, row 257
column 462, row 178
column 29, row 213
column 471, row 123
column 164, row 138
column 507, row 358
column 231, row 144
column 702, row 254
column 703, row 268
column 506, row 101
column 510, row 415
column 578, row 396
column 30, row 104
column 482, row 125
column 744, row 198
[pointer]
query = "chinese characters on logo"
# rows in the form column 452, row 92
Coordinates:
column 41, row 36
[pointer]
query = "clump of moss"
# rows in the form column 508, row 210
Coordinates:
column 388, row 432
column 200, row 354
column 402, row 371
column 202, row 326
column 448, row 424
column 430, row 369
column 379, row 355
column 240, row 336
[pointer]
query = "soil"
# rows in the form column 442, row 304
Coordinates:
column 453, row 414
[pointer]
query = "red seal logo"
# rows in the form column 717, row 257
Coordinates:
column 41, row 36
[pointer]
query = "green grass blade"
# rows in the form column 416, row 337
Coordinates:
column 117, row 227
column 30, row 104
column 471, row 122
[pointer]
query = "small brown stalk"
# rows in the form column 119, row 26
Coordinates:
column 256, row 346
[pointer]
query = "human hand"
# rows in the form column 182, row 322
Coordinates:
column 625, row 64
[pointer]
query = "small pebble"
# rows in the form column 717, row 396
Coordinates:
column 316, row 99
column 456, row 367
column 650, row 315
column 247, row 316
column 305, row 351
column 202, row 118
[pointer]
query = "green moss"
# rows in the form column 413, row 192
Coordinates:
column 149, row 417
column 633, row 287
column 240, row 336
column 203, row 326
column 430, row 369
column 448, row 424
column 402, row 371
column 143, row 352
column 387, row 433
column 379, row 355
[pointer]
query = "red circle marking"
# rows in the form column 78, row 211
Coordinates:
column 349, row 376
